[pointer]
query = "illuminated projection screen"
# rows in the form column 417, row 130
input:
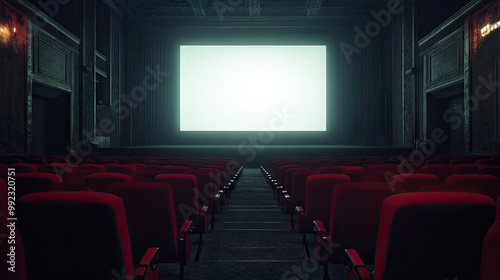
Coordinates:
column 252, row 88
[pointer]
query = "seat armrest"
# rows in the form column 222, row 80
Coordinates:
column 204, row 210
column 186, row 228
column 149, row 262
column 319, row 227
column 299, row 209
column 353, row 263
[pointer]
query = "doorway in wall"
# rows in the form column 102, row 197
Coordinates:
column 51, row 120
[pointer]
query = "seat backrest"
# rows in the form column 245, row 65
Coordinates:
column 319, row 189
column 26, row 183
column 412, row 182
column 468, row 168
column 299, row 186
column 24, row 167
column 99, row 181
column 184, row 187
column 207, row 183
column 472, row 179
column 289, row 176
column 490, row 270
column 151, row 217
column 174, row 169
column 432, row 235
column 491, row 190
column 354, row 217
column 126, row 169
column 64, row 232
column 440, row 170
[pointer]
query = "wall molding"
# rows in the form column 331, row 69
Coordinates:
column 444, row 62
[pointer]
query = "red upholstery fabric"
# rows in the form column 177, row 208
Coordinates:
column 123, row 169
column 432, row 234
column 466, row 168
column 440, row 170
column 472, row 179
column 24, row 167
column 184, row 187
column 99, row 181
column 319, row 189
column 298, row 192
column 384, row 168
column 151, row 216
column 94, row 168
column 412, row 182
column 490, row 270
column 174, row 169
column 92, row 235
column 491, row 190
column 354, row 217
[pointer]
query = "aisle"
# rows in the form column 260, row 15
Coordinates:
column 251, row 239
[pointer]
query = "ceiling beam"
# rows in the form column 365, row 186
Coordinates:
column 197, row 6
column 254, row 7
column 314, row 7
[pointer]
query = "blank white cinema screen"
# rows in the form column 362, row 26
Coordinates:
column 252, row 88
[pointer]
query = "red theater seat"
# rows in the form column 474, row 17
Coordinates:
column 297, row 195
column 490, row 270
column 26, row 183
column 491, row 190
column 411, row 182
column 184, row 187
column 122, row 168
column 151, row 216
column 24, row 167
column 319, row 189
column 80, row 235
column 174, row 169
column 354, row 218
column 99, row 181
column 472, row 179
column 440, row 170
column 427, row 236
column 466, row 169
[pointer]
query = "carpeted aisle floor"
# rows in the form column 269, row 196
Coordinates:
column 251, row 239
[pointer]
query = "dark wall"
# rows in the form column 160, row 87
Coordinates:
column 356, row 90
column 485, row 78
column 12, row 81
column 431, row 13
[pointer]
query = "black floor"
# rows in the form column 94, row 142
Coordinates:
column 252, row 238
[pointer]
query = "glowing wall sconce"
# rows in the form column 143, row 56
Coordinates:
column 6, row 35
column 488, row 28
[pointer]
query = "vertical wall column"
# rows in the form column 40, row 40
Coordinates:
column 88, row 71
column 409, row 78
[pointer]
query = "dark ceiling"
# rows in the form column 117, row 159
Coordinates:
column 248, row 9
